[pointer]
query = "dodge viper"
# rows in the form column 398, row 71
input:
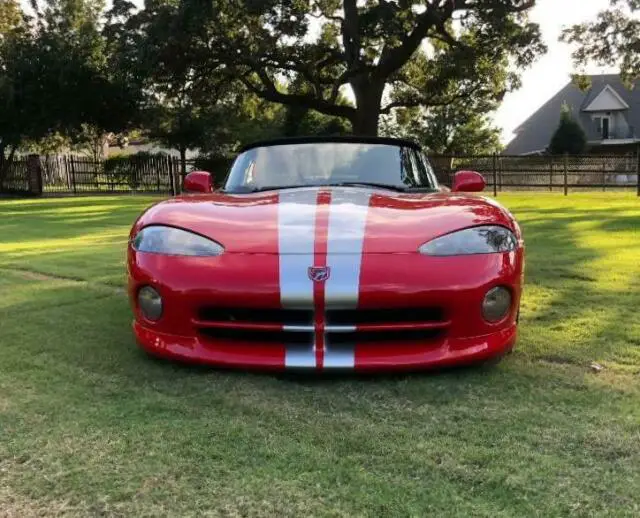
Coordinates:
column 327, row 253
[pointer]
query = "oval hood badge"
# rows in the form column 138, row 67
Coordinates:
column 319, row 273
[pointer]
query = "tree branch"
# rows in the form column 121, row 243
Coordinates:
column 393, row 58
column 270, row 92
column 428, row 101
column 435, row 16
column 322, row 14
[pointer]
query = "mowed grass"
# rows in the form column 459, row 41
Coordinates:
column 91, row 426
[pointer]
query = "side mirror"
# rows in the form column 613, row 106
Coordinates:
column 468, row 181
column 198, row 181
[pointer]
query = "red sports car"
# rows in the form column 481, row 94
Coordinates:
column 327, row 253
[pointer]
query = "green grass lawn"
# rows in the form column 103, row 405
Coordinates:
column 91, row 426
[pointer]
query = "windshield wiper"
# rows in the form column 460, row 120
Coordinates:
column 368, row 184
column 248, row 190
column 398, row 188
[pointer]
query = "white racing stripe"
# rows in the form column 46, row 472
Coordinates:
column 347, row 222
column 296, row 234
column 296, row 238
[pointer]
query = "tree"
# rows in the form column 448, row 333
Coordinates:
column 12, row 29
column 462, row 126
column 300, row 120
column 367, row 47
column 189, row 102
column 55, row 78
column 569, row 137
column 613, row 39
column 448, row 130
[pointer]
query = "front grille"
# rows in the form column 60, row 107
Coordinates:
column 401, row 335
column 344, row 326
column 389, row 316
column 249, row 335
column 256, row 315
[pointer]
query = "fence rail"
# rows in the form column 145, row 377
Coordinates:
column 164, row 174
column 545, row 173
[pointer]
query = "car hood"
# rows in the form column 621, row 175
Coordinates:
column 375, row 220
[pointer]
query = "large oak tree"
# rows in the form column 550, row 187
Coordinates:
column 369, row 46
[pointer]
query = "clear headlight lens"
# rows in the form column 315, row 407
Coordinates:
column 159, row 239
column 487, row 239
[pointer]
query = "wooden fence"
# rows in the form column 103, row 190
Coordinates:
column 545, row 173
column 163, row 174
column 80, row 175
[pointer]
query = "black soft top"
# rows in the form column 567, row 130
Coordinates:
column 319, row 139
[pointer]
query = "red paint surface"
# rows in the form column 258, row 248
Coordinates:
column 468, row 181
column 393, row 275
column 396, row 222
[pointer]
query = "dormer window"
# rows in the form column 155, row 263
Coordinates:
column 603, row 125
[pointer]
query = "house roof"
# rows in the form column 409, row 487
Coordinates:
column 535, row 133
column 607, row 100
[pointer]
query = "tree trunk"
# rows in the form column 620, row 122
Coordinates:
column 368, row 96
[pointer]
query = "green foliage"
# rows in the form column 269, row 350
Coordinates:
column 612, row 39
column 569, row 137
column 217, row 165
column 450, row 130
column 55, row 77
column 128, row 169
column 367, row 47
column 300, row 121
column 462, row 125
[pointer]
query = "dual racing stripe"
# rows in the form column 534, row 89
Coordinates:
column 321, row 228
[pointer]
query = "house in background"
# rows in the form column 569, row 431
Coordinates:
column 608, row 112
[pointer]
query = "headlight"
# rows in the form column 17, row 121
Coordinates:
column 487, row 239
column 159, row 239
column 496, row 304
column 150, row 303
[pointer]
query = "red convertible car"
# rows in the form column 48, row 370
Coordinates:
column 327, row 253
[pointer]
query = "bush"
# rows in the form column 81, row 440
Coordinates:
column 217, row 165
column 130, row 169
column 569, row 137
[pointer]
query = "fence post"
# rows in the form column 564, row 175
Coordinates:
column 638, row 170
column 172, row 172
column 604, row 174
column 550, row 173
column 34, row 174
column 157, row 165
column 73, row 174
column 495, row 177
column 566, row 184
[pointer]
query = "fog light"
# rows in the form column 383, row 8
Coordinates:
column 496, row 304
column 150, row 303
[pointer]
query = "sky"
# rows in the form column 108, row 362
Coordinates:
column 552, row 71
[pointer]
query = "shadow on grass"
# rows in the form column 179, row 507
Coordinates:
column 592, row 307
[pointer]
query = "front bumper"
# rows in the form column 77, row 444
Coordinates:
column 387, row 284
column 392, row 357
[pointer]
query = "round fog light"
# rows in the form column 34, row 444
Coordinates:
column 496, row 304
column 150, row 303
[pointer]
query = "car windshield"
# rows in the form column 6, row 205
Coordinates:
column 280, row 166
